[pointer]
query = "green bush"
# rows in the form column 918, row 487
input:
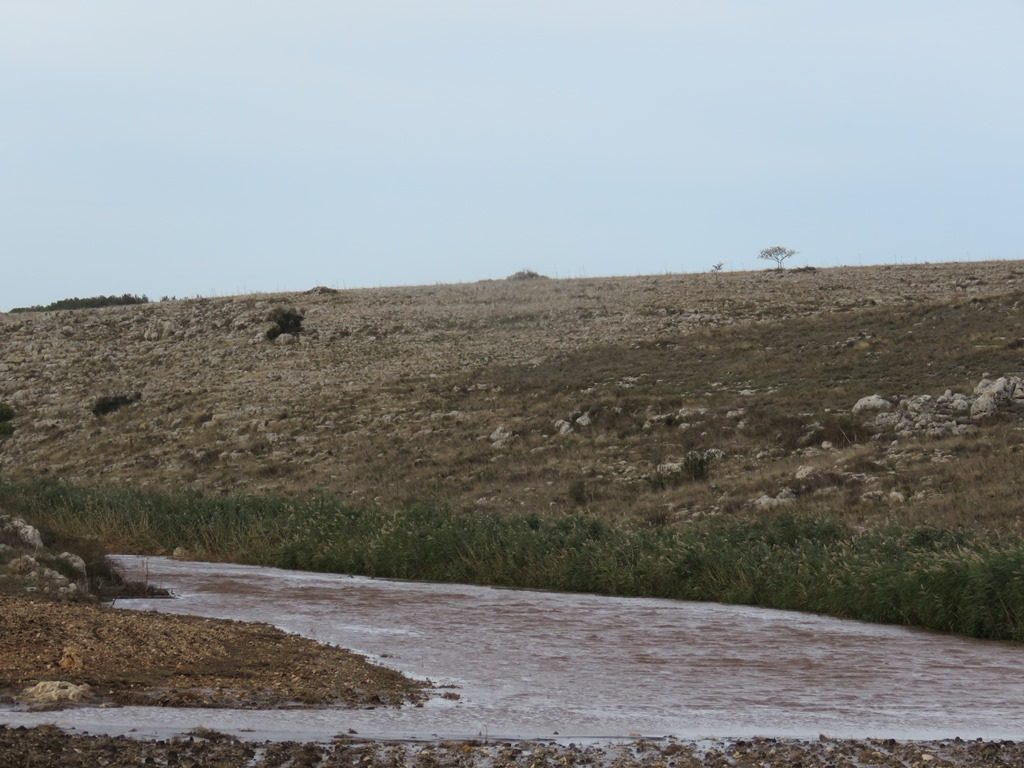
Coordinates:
column 110, row 403
column 285, row 321
column 6, row 416
column 697, row 465
column 91, row 302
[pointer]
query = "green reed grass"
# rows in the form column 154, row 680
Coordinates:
column 952, row 581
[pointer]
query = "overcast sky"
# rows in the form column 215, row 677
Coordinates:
column 216, row 147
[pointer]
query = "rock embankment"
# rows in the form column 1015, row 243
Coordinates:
column 27, row 567
column 947, row 415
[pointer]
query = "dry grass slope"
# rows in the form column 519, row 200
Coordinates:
column 453, row 393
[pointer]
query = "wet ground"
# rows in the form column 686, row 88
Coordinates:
column 583, row 668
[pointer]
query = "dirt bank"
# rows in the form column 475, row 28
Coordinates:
column 152, row 659
column 46, row 746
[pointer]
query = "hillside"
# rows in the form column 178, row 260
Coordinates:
column 534, row 394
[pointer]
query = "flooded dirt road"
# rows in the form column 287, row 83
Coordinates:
column 562, row 666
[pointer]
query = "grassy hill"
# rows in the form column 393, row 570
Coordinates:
column 668, row 408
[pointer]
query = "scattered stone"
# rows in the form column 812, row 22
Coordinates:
column 71, row 659
column 563, row 427
column 501, row 436
column 805, row 472
column 766, row 502
column 584, row 420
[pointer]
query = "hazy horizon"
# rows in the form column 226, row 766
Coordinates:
column 203, row 149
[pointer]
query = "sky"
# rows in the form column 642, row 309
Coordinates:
column 211, row 148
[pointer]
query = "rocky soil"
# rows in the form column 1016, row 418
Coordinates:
column 54, row 655
column 29, row 748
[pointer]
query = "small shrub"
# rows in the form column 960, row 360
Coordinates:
column 525, row 274
column 285, row 321
column 6, row 416
column 578, row 492
column 110, row 403
column 843, row 430
column 697, row 465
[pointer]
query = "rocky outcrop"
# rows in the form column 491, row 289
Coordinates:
column 993, row 395
column 27, row 566
column 947, row 415
column 20, row 531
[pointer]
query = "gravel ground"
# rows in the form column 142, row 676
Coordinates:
column 47, row 746
column 126, row 657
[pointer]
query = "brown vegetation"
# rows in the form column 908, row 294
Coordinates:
column 537, row 395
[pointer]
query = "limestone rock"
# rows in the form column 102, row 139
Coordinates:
column 500, row 436
column 22, row 565
column 53, row 694
column 872, row 403
column 766, row 502
column 76, row 562
column 805, row 472
column 28, row 534
column 985, row 407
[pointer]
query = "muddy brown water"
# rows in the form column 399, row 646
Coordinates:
column 569, row 666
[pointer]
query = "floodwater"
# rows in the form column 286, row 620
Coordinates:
column 564, row 666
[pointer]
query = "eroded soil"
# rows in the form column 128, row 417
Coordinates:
column 154, row 659
column 48, row 746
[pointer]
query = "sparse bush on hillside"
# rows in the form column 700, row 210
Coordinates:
column 525, row 274
column 694, row 467
column 110, row 403
column 578, row 492
column 697, row 465
column 91, row 302
column 285, row 320
column 6, row 416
